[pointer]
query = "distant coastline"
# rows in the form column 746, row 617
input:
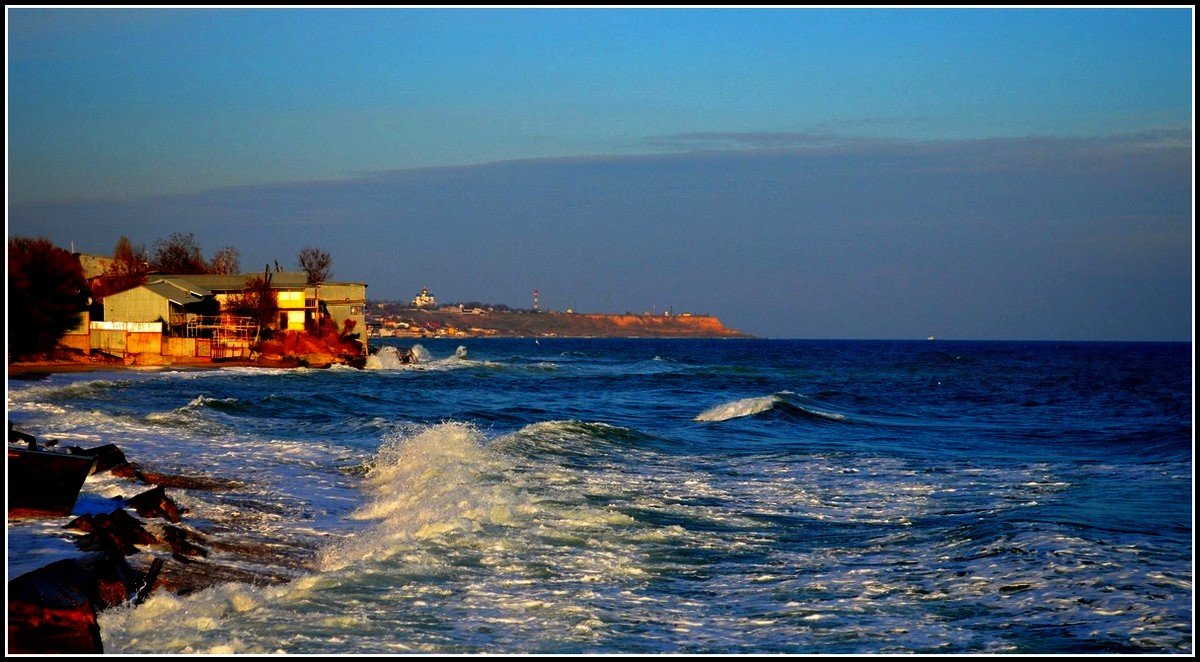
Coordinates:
column 390, row 320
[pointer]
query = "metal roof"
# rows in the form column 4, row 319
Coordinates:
column 235, row 282
column 175, row 294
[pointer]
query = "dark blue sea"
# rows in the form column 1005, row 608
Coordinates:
column 667, row 496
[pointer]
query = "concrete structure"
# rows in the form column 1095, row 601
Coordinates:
column 128, row 338
column 345, row 301
column 93, row 265
column 297, row 300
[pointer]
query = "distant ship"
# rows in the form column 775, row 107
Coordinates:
column 931, row 338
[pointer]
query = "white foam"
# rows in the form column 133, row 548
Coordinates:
column 424, row 486
column 387, row 358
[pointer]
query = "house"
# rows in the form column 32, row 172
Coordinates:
column 300, row 304
column 166, row 300
column 196, row 306
column 290, row 290
column 169, row 317
column 93, row 265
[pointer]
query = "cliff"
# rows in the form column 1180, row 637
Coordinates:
column 565, row 325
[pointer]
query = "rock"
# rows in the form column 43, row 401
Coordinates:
column 190, row 482
column 130, row 472
column 319, row 359
column 116, row 582
column 180, row 541
column 53, row 609
column 118, row 531
column 44, row 617
column 155, row 503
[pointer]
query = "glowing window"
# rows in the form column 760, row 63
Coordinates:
column 291, row 299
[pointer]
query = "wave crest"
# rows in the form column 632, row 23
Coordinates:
column 737, row 409
column 783, row 402
column 571, row 438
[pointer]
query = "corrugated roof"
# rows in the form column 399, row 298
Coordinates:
column 173, row 293
column 232, row 282
column 184, row 284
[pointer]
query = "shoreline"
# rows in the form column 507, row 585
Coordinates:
column 33, row 370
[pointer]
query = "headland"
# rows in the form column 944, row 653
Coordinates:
column 390, row 320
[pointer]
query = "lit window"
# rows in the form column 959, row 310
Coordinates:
column 290, row 299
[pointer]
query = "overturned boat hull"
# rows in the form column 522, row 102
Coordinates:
column 44, row 483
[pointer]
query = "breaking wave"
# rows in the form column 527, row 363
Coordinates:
column 390, row 358
column 572, row 438
column 784, row 403
column 82, row 389
column 427, row 484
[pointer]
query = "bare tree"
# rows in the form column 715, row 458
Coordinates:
column 318, row 264
column 225, row 261
column 128, row 269
column 178, row 254
column 257, row 301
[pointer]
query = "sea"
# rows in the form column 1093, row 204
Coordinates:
column 652, row 496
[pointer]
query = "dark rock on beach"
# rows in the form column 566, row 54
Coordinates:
column 117, row 530
column 155, row 503
column 53, row 609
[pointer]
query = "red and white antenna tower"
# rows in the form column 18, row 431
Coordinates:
column 535, row 299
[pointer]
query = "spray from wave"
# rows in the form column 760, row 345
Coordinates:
column 391, row 358
column 432, row 483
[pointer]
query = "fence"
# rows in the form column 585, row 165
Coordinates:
column 218, row 337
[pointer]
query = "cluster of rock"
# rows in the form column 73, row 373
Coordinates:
column 53, row 609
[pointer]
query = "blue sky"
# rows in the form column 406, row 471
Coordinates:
column 1001, row 173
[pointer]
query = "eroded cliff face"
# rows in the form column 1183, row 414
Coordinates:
column 579, row 325
column 699, row 326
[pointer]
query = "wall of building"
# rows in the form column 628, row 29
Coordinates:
column 291, row 309
column 136, row 305
column 179, row 346
column 121, row 338
column 79, row 341
column 347, row 301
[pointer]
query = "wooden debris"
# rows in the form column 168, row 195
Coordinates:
column 108, row 456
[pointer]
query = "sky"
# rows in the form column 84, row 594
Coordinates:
column 801, row 173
